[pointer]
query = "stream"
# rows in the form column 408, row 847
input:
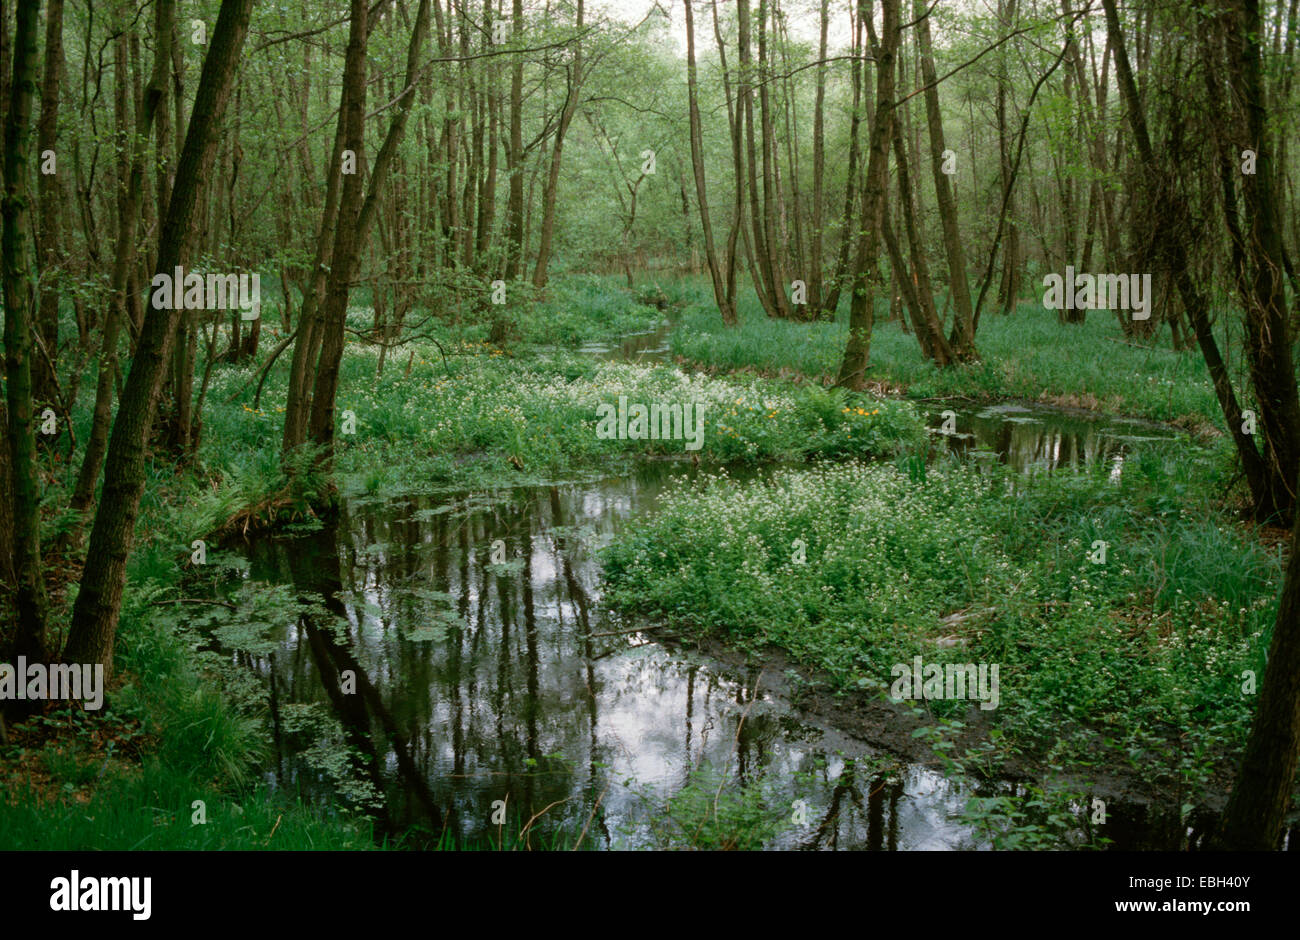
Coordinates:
column 492, row 689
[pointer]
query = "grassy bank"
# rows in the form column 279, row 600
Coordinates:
column 128, row 776
column 1028, row 355
column 1136, row 661
column 485, row 418
column 182, row 725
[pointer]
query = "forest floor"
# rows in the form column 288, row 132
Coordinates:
column 1138, row 661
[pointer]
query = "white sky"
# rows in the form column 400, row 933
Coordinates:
column 802, row 15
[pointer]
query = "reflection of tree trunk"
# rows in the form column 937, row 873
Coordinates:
column 318, row 572
column 830, row 822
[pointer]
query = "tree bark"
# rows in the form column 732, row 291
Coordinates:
column 128, row 214
column 720, row 296
column 515, row 153
column 44, row 380
column 962, row 339
column 857, row 350
column 30, row 600
column 552, row 184
column 99, row 602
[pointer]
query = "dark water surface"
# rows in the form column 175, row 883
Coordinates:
column 479, row 682
column 487, row 669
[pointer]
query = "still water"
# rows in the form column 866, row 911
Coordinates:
column 461, row 681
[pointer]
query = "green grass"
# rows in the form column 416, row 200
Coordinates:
column 127, row 777
column 485, row 418
column 1027, row 355
column 1098, row 661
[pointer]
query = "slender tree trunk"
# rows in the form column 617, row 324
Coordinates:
column 818, row 222
column 99, row 602
column 697, row 163
column 553, row 171
column 857, row 350
column 515, row 153
column 773, row 267
column 926, row 316
column 761, row 269
column 44, row 363
column 357, row 217
column 962, row 339
column 124, row 258
column 30, row 599
column 832, row 302
column 1166, row 211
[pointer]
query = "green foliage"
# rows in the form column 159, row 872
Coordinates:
column 172, row 738
column 712, row 811
column 1087, row 663
column 1028, row 355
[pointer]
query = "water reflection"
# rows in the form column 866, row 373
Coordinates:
column 1028, row 437
column 464, row 656
column 479, row 681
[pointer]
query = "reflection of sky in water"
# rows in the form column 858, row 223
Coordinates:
column 508, row 695
column 1026, row 437
column 482, row 710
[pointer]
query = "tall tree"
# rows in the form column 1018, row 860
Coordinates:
column 45, row 361
column 720, row 294
column 1168, row 208
column 356, row 218
column 1256, row 810
column 515, row 151
column 99, row 601
column 124, row 256
column 857, row 349
column 570, row 107
column 962, row 339
column 30, row 599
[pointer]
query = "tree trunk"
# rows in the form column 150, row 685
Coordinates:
column 697, row 163
column 962, row 339
column 553, row 172
column 857, row 350
column 44, row 379
column 30, row 601
column 815, row 275
column 124, row 258
column 832, row 301
column 1167, row 210
column 99, row 602
column 351, row 235
column 515, row 153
